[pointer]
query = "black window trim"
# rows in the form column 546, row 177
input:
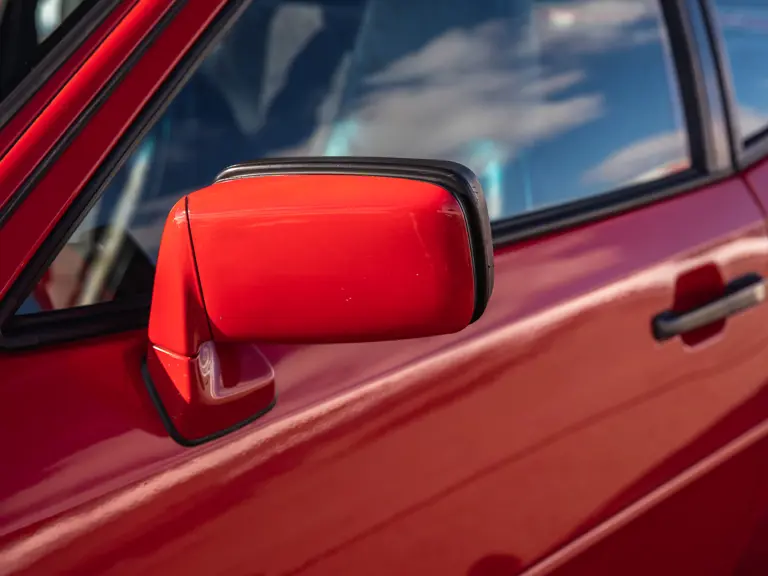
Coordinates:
column 753, row 149
column 15, row 200
column 73, row 37
column 707, row 125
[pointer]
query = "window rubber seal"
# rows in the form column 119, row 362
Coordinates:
column 72, row 38
column 745, row 151
column 10, row 206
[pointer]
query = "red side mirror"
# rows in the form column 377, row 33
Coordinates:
column 320, row 250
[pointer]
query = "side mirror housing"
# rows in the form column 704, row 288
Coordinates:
column 307, row 251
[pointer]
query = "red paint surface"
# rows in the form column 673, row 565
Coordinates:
column 326, row 258
column 42, row 97
column 756, row 558
column 695, row 288
column 482, row 452
column 178, row 322
column 59, row 114
column 177, row 382
column 553, row 434
column 309, row 258
column 756, row 178
column 33, row 220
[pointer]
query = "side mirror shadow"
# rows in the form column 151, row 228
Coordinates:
column 312, row 251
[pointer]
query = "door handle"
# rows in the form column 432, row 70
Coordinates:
column 742, row 293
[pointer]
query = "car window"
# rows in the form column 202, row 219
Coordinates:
column 29, row 30
column 547, row 102
column 744, row 27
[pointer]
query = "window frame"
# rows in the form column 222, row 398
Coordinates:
column 745, row 152
column 73, row 37
column 707, row 126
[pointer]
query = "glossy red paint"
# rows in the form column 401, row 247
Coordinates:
column 537, row 439
column 185, row 395
column 552, row 436
column 37, row 104
column 696, row 288
column 756, row 559
column 59, row 114
column 62, row 181
column 331, row 258
column 178, row 322
column 756, row 178
column 384, row 258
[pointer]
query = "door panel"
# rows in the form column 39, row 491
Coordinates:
column 477, row 453
column 665, row 539
column 756, row 559
column 757, row 179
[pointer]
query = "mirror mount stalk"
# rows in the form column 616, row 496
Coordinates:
column 321, row 250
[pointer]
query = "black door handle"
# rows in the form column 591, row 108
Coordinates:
column 742, row 293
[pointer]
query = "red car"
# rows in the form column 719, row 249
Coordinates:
column 258, row 317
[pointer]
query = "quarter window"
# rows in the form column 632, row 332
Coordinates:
column 547, row 102
column 744, row 27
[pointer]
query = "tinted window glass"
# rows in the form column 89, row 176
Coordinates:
column 30, row 29
column 744, row 26
column 546, row 102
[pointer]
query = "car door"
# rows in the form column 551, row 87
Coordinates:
column 737, row 28
column 577, row 427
